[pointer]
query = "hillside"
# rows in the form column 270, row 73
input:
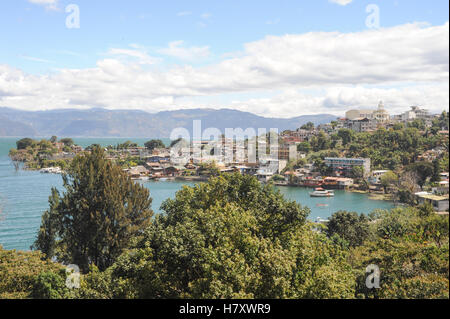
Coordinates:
column 135, row 123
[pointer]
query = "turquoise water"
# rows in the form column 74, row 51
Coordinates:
column 24, row 196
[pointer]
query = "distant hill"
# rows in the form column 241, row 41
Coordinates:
column 134, row 123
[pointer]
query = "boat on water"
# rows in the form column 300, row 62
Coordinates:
column 51, row 170
column 321, row 220
column 320, row 192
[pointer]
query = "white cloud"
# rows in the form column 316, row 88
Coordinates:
column 336, row 100
column 48, row 4
column 316, row 72
column 177, row 50
column 341, row 2
column 206, row 15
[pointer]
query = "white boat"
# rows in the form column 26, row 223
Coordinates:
column 163, row 179
column 320, row 192
column 51, row 170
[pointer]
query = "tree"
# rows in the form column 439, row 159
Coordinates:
column 231, row 238
column 350, row 226
column 179, row 141
column 126, row 145
column 101, row 211
column 388, row 179
column 320, row 142
column 24, row 143
column 308, row 126
column 47, row 235
column 358, row 172
column 346, row 135
column 334, row 124
column 304, row 147
column 19, row 271
column 417, row 123
column 49, row 285
column 67, row 141
column 436, row 177
column 152, row 144
column 424, row 170
column 408, row 187
column 54, row 139
column 410, row 248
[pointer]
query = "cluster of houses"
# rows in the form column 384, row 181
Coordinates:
column 231, row 156
column 363, row 120
column 439, row 195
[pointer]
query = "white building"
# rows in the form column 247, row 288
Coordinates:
column 413, row 114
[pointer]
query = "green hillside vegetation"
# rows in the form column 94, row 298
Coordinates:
column 230, row 237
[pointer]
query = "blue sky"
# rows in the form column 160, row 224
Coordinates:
column 166, row 36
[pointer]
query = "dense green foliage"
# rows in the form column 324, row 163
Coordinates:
column 152, row 144
column 67, row 141
column 24, row 143
column 411, row 248
column 94, row 221
column 350, row 226
column 21, row 275
column 228, row 238
column 235, row 238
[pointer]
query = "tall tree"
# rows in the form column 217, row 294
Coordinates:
column 67, row 141
column 47, row 235
column 152, row 144
column 232, row 238
column 95, row 219
column 424, row 170
column 308, row 126
column 24, row 143
column 388, row 179
column 349, row 226
column 346, row 135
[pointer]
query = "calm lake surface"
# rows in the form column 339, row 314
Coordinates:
column 24, row 196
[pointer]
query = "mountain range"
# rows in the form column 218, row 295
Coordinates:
column 98, row 122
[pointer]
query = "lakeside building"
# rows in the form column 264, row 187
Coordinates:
column 376, row 176
column 344, row 165
column 337, row 182
column 440, row 203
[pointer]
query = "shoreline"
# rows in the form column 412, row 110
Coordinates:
column 371, row 196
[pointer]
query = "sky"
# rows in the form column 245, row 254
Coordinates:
column 281, row 58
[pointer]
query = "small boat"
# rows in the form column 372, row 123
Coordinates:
column 51, row 170
column 322, row 205
column 321, row 220
column 320, row 192
column 163, row 179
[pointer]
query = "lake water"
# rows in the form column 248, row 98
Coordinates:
column 24, row 196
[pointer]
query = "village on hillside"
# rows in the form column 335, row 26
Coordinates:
column 344, row 154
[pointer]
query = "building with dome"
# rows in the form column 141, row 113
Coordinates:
column 380, row 114
column 366, row 120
